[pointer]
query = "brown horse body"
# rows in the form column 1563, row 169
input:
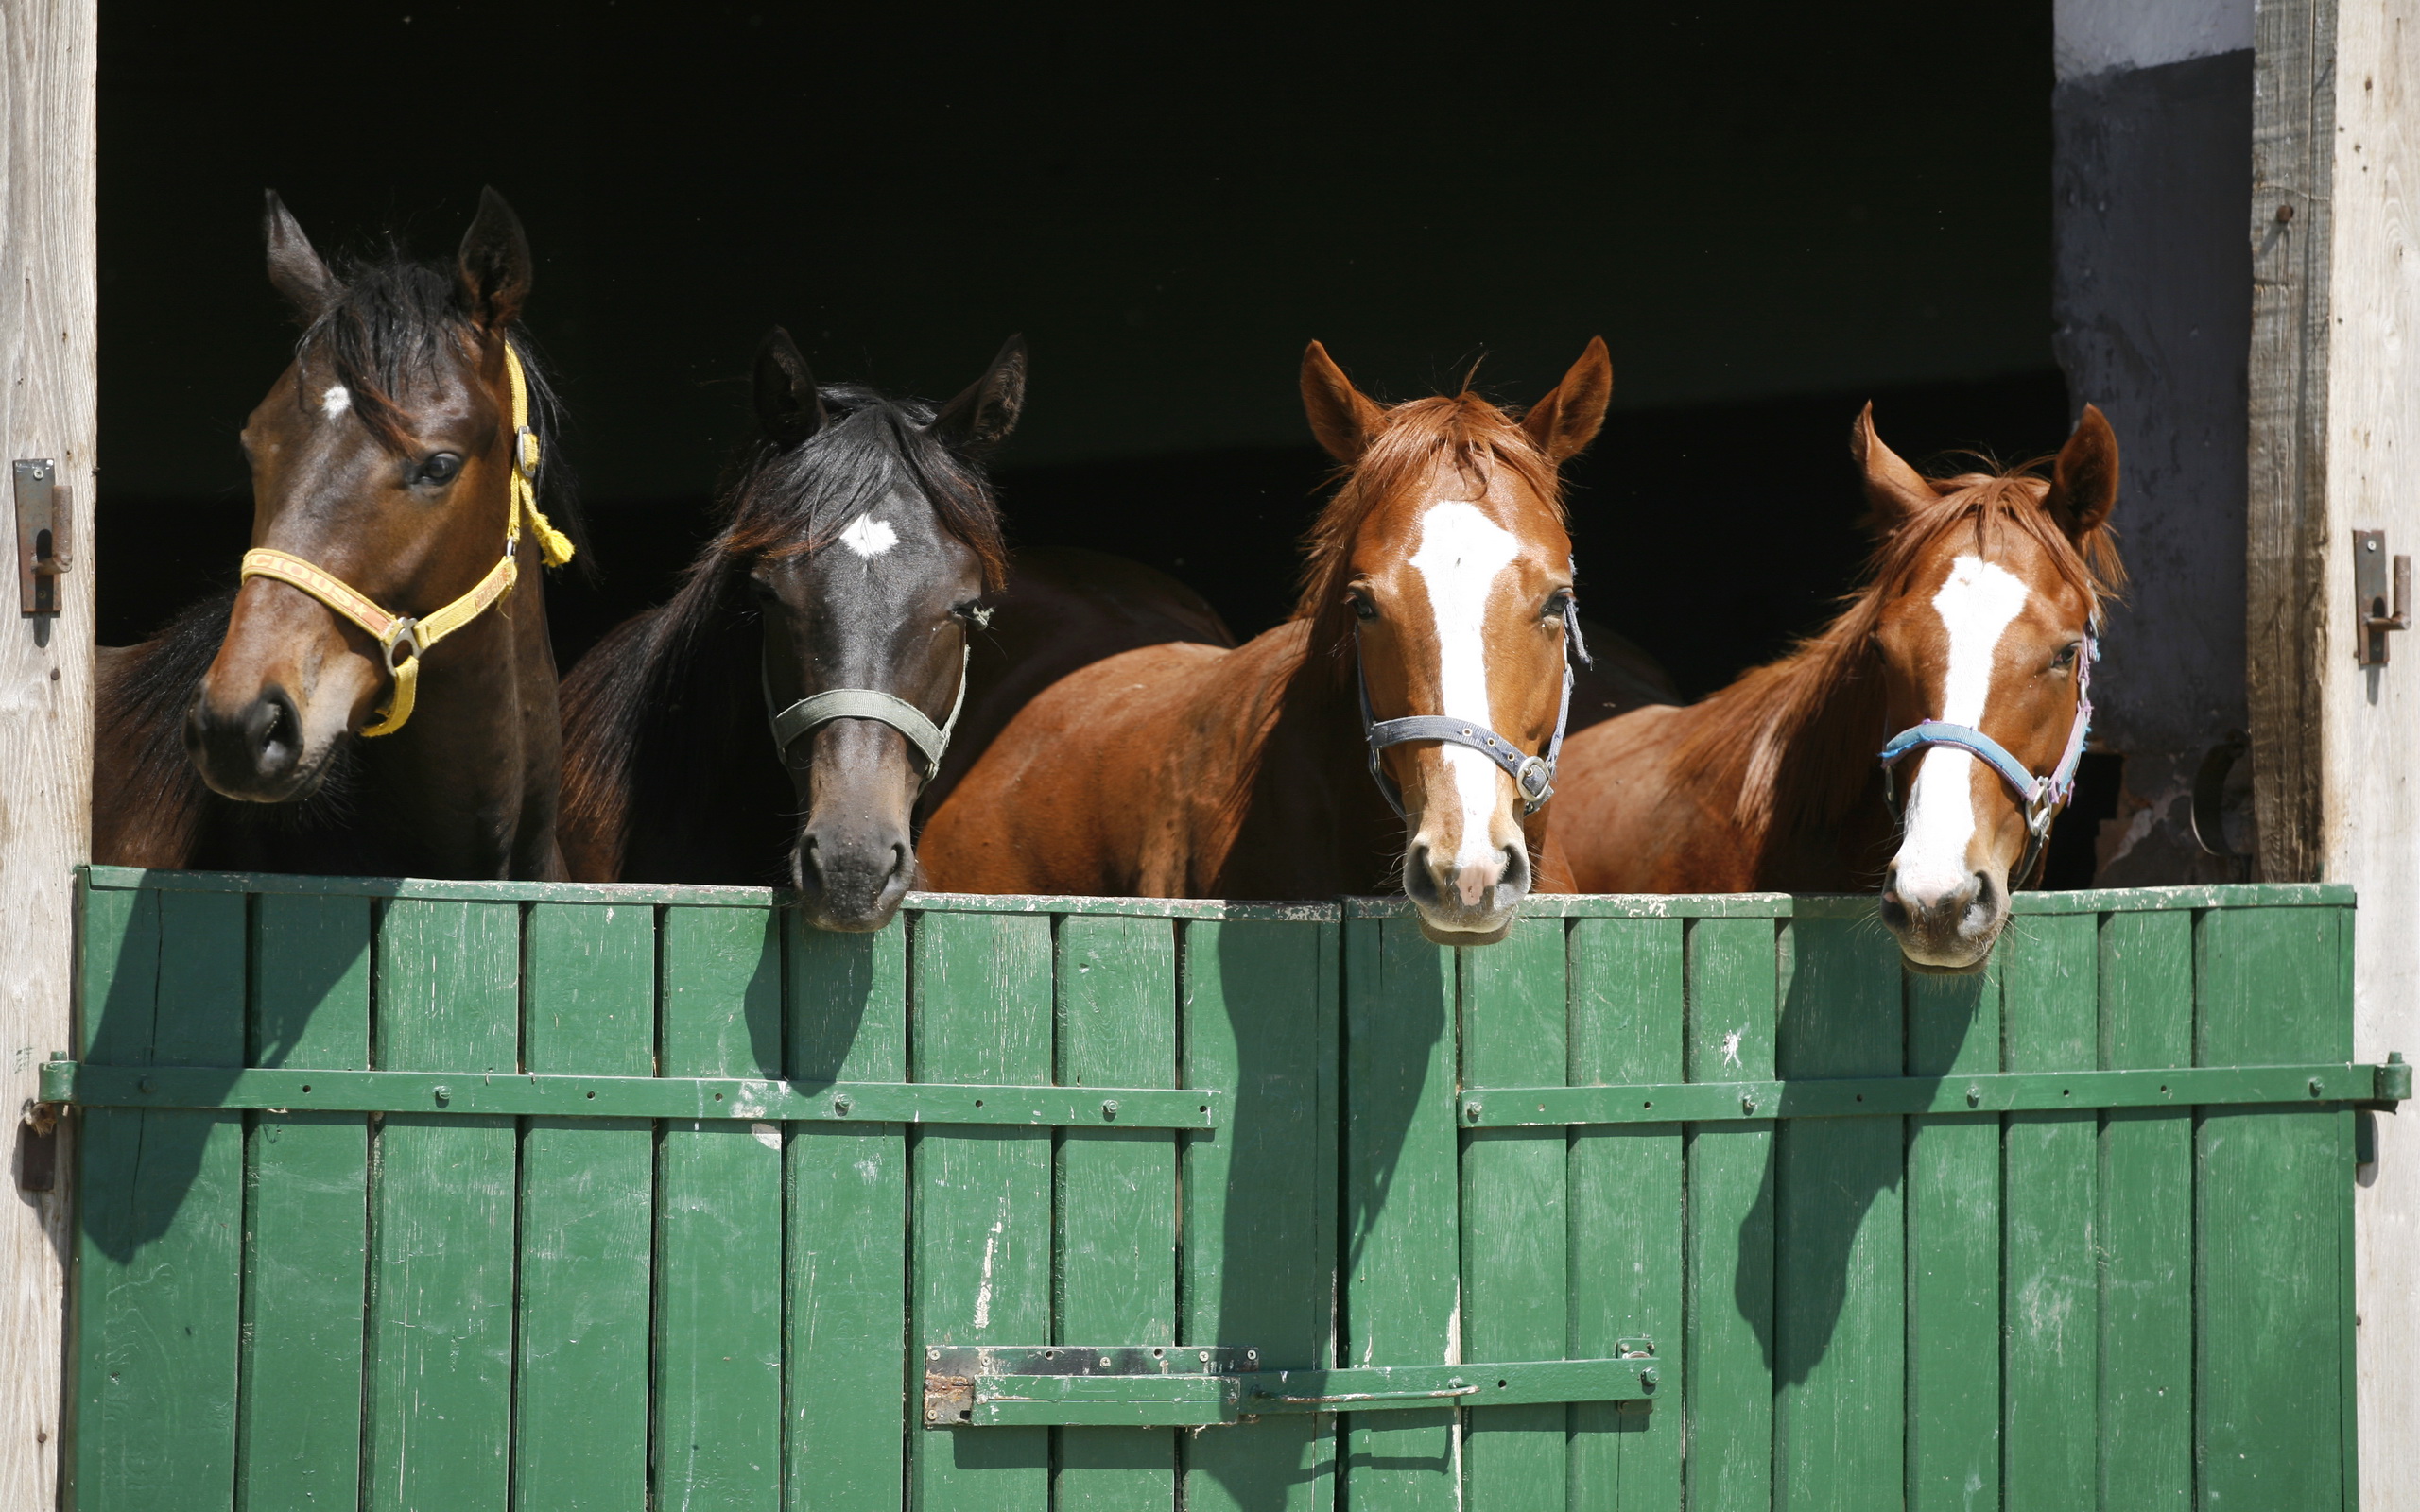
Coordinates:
column 1440, row 573
column 1773, row 783
column 384, row 456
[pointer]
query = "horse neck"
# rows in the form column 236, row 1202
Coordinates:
column 1309, row 821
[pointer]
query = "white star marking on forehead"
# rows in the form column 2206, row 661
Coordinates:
column 868, row 537
column 335, row 401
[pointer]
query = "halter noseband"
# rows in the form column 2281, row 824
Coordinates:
column 1533, row 776
column 402, row 639
column 2043, row 796
column 817, row 709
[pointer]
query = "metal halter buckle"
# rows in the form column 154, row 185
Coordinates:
column 405, row 636
column 526, row 455
column 1535, row 778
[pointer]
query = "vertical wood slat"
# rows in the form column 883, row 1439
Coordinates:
column 1729, row 1375
column 307, row 1186
column 587, row 1195
column 1115, row 1279
column 1259, row 1255
column 1840, row 1235
column 1399, row 1206
column 1953, row 1298
column 2144, row 1223
column 981, row 1210
column 718, row 1241
column 2268, row 1185
column 159, row 1281
column 1515, row 1294
column 439, row 1363
column 1627, row 1024
column 846, row 1398
column 2051, row 1292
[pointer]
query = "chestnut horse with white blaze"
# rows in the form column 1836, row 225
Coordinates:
column 1958, row 675
column 1430, row 652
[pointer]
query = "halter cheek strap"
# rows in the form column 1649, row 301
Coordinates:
column 402, row 639
column 820, row 709
column 1533, row 776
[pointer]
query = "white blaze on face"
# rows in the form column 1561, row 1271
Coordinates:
column 335, row 401
column 1975, row 605
column 868, row 537
column 1461, row 552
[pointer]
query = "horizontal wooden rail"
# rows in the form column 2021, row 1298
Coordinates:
column 2014, row 1092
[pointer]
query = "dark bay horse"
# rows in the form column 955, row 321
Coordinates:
column 838, row 597
column 1435, row 615
column 311, row 721
column 1977, row 619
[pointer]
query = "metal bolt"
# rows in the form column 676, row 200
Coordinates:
column 1974, row 1097
column 932, row 1354
column 444, row 1094
column 1205, row 1357
column 1109, row 1108
column 1471, row 1111
column 2314, row 1085
column 143, row 1084
column 1649, row 1380
column 1104, row 1361
column 1747, row 1102
column 840, row 1104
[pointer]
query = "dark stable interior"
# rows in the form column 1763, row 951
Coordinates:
column 1771, row 214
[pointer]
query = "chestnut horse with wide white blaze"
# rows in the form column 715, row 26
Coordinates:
column 1424, row 675
column 1958, row 676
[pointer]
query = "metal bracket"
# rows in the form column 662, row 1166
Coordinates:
column 969, row 1385
column 42, row 534
column 2370, row 590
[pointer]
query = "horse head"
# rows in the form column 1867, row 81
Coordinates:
column 866, row 532
column 1989, row 608
column 384, row 463
column 1441, row 573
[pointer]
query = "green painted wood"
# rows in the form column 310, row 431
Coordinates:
column 158, row 1289
column 1115, row 1272
column 439, row 1339
column 1627, row 1022
column 718, row 1243
column 2051, row 1295
column 1399, row 1205
column 847, row 1402
column 307, row 1186
column 1953, row 1335
column 981, row 1205
column 1514, row 1220
column 1732, row 990
column 2268, row 1191
column 1840, row 1235
column 587, row 1199
column 2145, row 1223
column 1259, row 1258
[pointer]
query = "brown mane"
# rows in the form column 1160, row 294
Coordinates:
column 1767, row 734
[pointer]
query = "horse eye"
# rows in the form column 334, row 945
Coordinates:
column 1558, row 604
column 2066, row 657
column 439, row 469
column 1364, row 606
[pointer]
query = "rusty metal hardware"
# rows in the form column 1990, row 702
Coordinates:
column 38, row 1148
column 42, row 534
column 2370, row 588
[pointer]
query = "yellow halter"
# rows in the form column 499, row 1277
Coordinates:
column 400, row 638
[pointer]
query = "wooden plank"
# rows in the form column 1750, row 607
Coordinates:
column 1953, row 1339
column 981, row 1206
column 847, row 1400
column 1515, row 1223
column 718, row 1413
column 1115, row 1281
column 587, row 1193
column 441, row 1214
column 2267, row 1194
column 1840, row 1235
column 159, row 1282
column 49, row 264
column 1259, row 1258
column 2145, row 1225
column 2051, row 1293
column 1399, row 1203
column 1627, row 1022
column 1732, row 988
column 306, row 1211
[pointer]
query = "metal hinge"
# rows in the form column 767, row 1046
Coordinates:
column 969, row 1385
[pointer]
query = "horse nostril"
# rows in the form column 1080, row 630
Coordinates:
column 276, row 732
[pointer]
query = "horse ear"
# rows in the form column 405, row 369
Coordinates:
column 1894, row 489
column 980, row 418
column 494, row 263
column 1565, row 421
column 1341, row 416
column 2084, row 482
column 787, row 405
column 294, row 269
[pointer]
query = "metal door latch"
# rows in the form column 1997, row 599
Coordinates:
column 42, row 534
column 2369, row 587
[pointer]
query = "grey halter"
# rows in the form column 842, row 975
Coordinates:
column 1533, row 776
column 864, row 703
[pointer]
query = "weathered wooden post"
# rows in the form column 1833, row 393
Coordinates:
column 47, row 286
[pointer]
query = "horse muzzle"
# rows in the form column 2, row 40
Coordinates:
column 1945, row 925
column 1466, row 904
column 255, row 750
column 851, row 881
